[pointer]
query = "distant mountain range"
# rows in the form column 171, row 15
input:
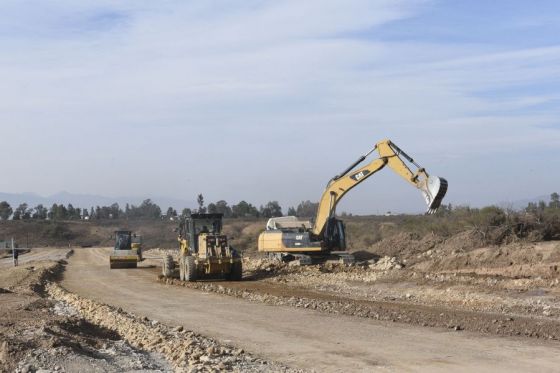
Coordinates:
column 89, row 200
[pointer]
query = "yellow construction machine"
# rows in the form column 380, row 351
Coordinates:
column 290, row 238
column 203, row 251
column 127, row 252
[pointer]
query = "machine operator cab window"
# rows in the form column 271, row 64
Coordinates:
column 123, row 241
column 207, row 226
column 201, row 224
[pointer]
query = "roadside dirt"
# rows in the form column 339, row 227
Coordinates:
column 45, row 328
column 184, row 349
column 40, row 333
column 300, row 337
column 504, row 290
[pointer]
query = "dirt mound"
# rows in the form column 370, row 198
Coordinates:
column 519, row 260
column 29, row 279
column 386, row 263
column 405, row 245
column 464, row 241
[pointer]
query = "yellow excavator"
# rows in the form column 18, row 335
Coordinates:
column 290, row 238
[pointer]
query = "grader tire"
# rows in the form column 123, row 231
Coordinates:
column 168, row 266
column 182, row 269
column 236, row 272
column 190, row 269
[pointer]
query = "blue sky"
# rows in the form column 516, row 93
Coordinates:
column 266, row 100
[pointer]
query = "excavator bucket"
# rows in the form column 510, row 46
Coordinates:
column 433, row 191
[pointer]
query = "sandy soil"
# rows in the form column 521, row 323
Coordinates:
column 44, row 328
column 38, row 333
column 320, row 339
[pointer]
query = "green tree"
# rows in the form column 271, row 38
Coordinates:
column 244, row 209
column 554, row 201
column 22, row 212
column 492, row 216
column 292, row 211
column 77, row 213
column 186, row 212
column 61, row 212
column 212, row 209
column 200, row 201
column 307, row 209
column 147, row 210
column 5, row 210
column 171, row 213
column 115, row 211
column 271, row 210
column 223, row 208
column 71, row 211
column 531, row 207
column 40, row 212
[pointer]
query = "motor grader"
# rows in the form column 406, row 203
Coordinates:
column 203, row 251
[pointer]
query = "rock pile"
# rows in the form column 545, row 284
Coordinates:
column 386, row 263
column 186, row 350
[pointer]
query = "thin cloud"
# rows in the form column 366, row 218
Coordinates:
column 137, row 87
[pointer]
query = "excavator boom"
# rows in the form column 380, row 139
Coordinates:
column 433, row 188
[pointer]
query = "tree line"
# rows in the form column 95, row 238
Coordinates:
column 245, row 209
column 150, row 210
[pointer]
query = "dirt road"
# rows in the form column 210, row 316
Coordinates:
column 303, row 338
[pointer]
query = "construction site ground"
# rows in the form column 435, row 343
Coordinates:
column 410, row 306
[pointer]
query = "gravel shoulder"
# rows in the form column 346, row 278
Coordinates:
column 38, row 332
column 302, row 338
column 45, row 328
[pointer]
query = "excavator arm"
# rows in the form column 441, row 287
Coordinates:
column 433, row 188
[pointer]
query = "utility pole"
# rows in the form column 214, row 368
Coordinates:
column 13, row 252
